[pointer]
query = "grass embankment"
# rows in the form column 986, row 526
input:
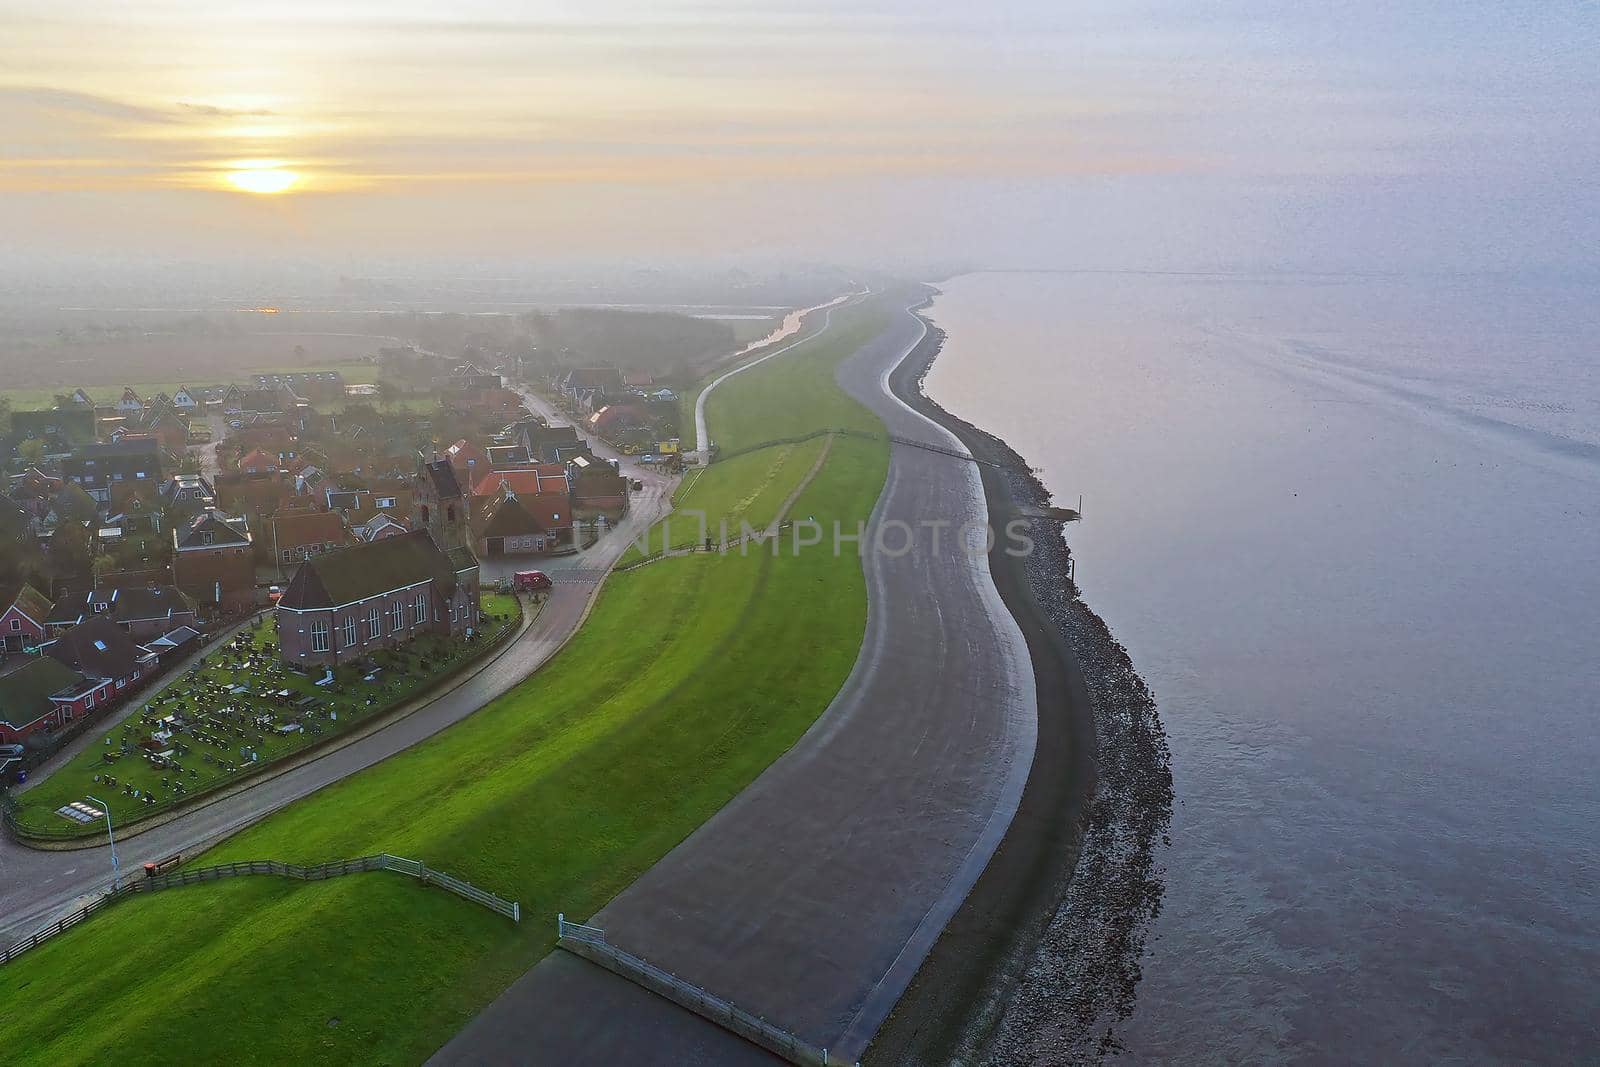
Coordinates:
column 689, row 678
column 210, row 728
column 750, row 488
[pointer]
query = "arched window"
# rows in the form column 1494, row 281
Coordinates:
column 450, row 513
column 424, row 513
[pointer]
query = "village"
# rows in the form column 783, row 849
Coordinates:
column 221, row 576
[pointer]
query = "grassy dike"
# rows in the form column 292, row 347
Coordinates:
column 689, row 678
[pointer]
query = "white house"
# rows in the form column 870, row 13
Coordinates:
column 130, row 401
column 184, row 400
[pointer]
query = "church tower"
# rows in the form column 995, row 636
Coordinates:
column 441, row 506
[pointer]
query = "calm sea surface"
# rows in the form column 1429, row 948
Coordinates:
column 1349, row 530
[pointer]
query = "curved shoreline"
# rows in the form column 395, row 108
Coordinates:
column 1099, row 781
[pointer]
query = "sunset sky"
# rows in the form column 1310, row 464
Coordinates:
column 1116, row 133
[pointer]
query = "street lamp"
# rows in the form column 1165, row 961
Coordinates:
column 116, row 874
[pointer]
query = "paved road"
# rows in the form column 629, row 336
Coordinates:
column 36, row 885
column 812, row 897
column 790, row 326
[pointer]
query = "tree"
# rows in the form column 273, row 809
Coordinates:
column 71, row 553
column 31, row 452
column 74, row 504
column 388, row 393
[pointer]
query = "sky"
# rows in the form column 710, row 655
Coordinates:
column 1111, row 133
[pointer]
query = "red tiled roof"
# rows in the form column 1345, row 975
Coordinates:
column 540, row 479
column 296, row 528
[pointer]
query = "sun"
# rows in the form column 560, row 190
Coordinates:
column 264, row 180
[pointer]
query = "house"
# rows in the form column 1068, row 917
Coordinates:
column 165, row 423
column 380, row 526
column 258, row 462
column 130, row 402
column 613, row 418
column 61, row 429
column 298, row 534
column 141, row 611
column 254, row 496
column 508, row 457
column 597, row 487
column 469, row 461
column 552, row 444
column 33, row 491
column 638, row 381
column 343, row 605
column 23, row 623
column 148, row 611
column 543, row 490
column 580, row 386
column 440, row 507
column 213, row 562
column 97, row 467
column 360, row 505
column 187, row 494
column 28, row 699
column 313, row 385
column 185, row 400
column 503, row 526
column 266, row 400
column 111, row 664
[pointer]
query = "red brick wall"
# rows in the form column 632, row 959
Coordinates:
column 197, row 574
column 295, row 628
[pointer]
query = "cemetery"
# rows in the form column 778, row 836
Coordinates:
column 235, row 712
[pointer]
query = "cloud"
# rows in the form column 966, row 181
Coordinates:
column 213, row 111
column 48, row 98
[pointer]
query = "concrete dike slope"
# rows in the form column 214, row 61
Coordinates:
column 811, row 899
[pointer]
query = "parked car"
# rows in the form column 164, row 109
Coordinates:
column 528, row 581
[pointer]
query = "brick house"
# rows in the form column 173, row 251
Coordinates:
column 468, row 461
column 503, row 527
column 598, row 488
column 111, row 665
column 258, row 461
column 346, row 604
column 97, row 467
column 297, row 534
column 212, row 562
column 142, row 612
column 543, row 491
column 23, row 625
column 28, row 703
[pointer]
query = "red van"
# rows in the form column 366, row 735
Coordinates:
column 527, row 581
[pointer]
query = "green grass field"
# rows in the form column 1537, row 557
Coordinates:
column 749, row 488
column 689, row 678
column 356, row 372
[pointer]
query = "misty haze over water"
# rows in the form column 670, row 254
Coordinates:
column 1346, row 529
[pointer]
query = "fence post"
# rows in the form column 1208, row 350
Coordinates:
column 561, row 925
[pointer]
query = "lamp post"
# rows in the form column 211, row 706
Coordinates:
column 116, row 873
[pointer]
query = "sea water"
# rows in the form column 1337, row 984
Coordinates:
column 1349, row 531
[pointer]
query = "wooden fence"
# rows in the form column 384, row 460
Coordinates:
column 334, row 869
column 591, row 944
